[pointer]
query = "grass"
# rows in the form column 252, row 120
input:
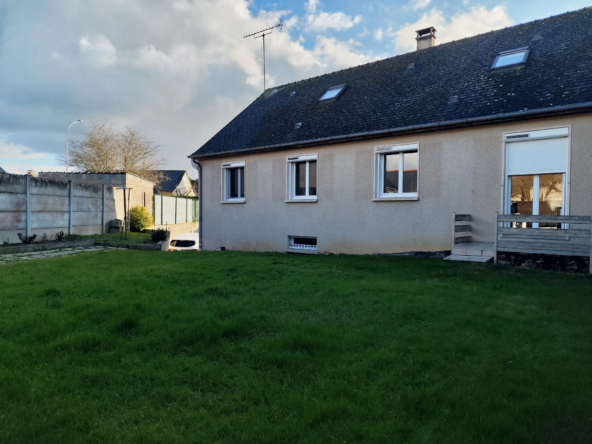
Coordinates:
column 117, row 238
column 226, row 347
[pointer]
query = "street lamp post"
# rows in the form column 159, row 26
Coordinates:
column 67, row 139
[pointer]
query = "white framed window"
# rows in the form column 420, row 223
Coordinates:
column 397, row 172
column 333, row 92
column 233, row 182
column 302, row 178
column 510, row 58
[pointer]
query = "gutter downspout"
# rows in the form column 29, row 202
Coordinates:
column 197, row 166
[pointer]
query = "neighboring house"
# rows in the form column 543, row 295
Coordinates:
column 376, row 158
column 2, row 171
column 176, row 182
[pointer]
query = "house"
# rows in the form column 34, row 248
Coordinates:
column 2, row 171
column 377, row 158
column 176, row 182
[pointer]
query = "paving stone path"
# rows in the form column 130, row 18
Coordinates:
column 23, row 257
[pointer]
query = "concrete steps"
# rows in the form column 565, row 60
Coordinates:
column 457, row 257
column 472, row 252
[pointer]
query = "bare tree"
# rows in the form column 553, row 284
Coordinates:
column 103, row 150
column 98, row 152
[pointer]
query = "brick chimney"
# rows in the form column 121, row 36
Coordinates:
column 426, row 38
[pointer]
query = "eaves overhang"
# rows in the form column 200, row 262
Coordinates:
column 412, row 129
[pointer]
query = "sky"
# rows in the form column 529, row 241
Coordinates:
column 179, row 70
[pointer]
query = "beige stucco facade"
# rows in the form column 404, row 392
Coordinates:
column 460, row 171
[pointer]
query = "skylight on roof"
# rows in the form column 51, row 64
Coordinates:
column 508, row 58
column 332, row 92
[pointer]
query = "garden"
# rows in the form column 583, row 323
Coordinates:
column 225, row 347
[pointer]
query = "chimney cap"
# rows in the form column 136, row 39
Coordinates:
column 426, row 31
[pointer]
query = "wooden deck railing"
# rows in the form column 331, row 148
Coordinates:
column 567, row 236
column 461, row 229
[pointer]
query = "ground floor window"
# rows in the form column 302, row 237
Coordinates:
column 536, row 165
column 537, row 195
column 302, row 177
column 397, row 170
column 233, row 182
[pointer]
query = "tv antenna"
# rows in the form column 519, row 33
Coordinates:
column 262, row 34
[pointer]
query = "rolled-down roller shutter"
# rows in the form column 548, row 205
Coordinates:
column 544, row 156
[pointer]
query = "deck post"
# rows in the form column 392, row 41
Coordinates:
column 495, row 239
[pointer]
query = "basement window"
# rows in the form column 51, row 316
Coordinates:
column 333, row 92
column 302, row 243
column 510, row 58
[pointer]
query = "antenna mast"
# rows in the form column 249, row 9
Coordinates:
column 262, row 34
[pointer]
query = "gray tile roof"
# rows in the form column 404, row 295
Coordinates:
column 173, row 179
column 416, row 90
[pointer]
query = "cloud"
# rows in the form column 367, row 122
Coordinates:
column 98, row 50
column 378, row 34
column 324, row 21
column 18, row 159
column 178, row 70
column 477, row 20
column 14, row 151
column 417, row 4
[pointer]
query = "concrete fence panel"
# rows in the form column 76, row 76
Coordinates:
column 48, row 187
column 86, row 218
column 42, row 203
column 12, row 202
column 13, row 184
column 49, row 219
column 13, row 220
column 91, row 204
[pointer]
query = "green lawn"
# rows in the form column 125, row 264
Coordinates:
column 225, row 347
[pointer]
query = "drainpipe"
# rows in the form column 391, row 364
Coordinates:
column 197, row 166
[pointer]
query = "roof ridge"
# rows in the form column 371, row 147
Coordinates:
column 437, row 46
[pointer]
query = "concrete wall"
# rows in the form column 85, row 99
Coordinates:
column 141, row 189
column 459, row 171
column 30, row 205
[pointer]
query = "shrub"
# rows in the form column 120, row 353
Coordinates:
column 140, row 218
column 60, row 236
column 26, row 239
column 159, row 235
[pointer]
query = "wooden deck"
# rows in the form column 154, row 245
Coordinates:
column 550, row 235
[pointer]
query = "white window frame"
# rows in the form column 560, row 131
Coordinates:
column 291, row 178
column 536, row 134
column 525, row 50
column 338, row 88
column 226, row 186
column 380, row 156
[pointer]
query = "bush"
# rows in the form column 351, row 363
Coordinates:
column 140, row 219
column 60, row 236
column 26, row 239
column 159, row 235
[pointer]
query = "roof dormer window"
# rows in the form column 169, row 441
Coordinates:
column 333, row 92
column 510, row 58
